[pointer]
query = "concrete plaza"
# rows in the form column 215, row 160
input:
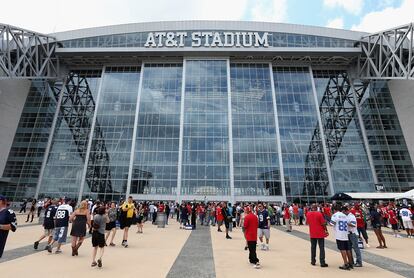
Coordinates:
column 172, row 252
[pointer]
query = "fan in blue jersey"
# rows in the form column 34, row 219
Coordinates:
column 7, row 223
column 61, row 226
column 264, row 225
column 48, row 223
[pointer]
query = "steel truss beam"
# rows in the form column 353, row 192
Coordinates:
column 337, row 109
column 388, row 54
column 77, row 108
column 26, row 54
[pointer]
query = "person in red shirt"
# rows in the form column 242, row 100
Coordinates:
column 359, row 215
column 251, row 224
column 327, row 212
column 393, row 220
column 295, row 213
column 219, row 217
column 286, row 217
column 317, row 234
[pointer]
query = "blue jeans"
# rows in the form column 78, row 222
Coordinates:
column 353, row 238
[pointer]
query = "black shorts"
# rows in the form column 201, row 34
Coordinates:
column 394, row 227
column 343, row 245
column 98, row 239
column 126, row 222
column 111, row 225
column 376, row 226
column 139, row 219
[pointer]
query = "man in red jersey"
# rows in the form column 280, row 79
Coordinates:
column 219, row 217
column 359, row 215
column 317, row 233
column 251, row 224
column 393, row 220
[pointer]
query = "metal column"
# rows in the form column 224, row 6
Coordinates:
column 230, row 129
column 181, row 139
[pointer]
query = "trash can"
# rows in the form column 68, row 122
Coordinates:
column 161, row 219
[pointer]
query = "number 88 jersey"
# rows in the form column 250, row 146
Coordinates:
column 62, row 215
column 340, row 222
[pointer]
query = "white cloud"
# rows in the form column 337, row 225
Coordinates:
column 336, row 23
column 269, row 10
column 351, row 6
column 387, row 18
column 58, row 15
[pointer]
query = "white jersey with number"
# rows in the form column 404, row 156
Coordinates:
column 405, row 214
column 340, row 222
column 352, row 220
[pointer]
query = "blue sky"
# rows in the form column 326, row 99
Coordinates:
column 59, row 15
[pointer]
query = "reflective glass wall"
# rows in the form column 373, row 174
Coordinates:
column 389, row 151
column 255, row 156
column 345, row 146
column 304, row 164
column 108, row 164
column 30, row 141
column 205, row 166
column 155, row 166
column 63, row 170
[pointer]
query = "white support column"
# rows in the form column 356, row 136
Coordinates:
column 181, row 139
column 88, row 149
column 134, row 134
column 279, row 143
column 230, row 129
column 364, row 133
column 50, row 139
column 325, row 152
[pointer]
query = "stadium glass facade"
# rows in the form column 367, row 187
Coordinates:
column 240, row 123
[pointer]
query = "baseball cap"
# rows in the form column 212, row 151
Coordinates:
column 2, row 198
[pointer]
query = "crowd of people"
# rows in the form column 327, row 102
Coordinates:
column 102, row 220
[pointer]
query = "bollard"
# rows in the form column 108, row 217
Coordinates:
column 161, row 219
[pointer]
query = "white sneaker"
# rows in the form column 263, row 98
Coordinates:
column 367, row 245
column 262, row 247
column 398, row 236
column 267, row 247
column 257, row 266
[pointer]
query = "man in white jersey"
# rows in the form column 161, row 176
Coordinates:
column 406, row 216
column 353, row 237
column 340, row 222
column 61, row 226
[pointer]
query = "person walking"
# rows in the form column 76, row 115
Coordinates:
column 23, row 206
column 128, row 209
column 98, row 236
column 251, row 225
column 31, row 211
column 264, row 226
column 40, row 205
column 110, row 227
column 361, row 224
column 8, row 223
column 80, row 218
column 317, row 233
column 61, row 226
column 140, row 219
column 48, row 223
column 226, row 218
column 406, row 217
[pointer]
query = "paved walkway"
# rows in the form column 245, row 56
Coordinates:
column 172, row 252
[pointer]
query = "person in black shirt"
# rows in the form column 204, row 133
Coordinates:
column 227, row 218
column 61, row 226
column 376, row 224
column 48, row 223
column 7, row 222
column 23, row 207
